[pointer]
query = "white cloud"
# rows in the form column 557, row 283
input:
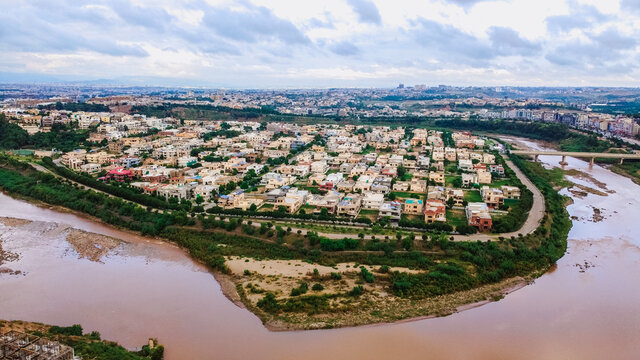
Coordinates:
column 289, row 43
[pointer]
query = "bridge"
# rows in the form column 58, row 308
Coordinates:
column 582, row 155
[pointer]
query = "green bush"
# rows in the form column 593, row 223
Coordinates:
column 301, row 289
column 356, row 291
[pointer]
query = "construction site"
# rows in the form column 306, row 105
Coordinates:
column 15, row 345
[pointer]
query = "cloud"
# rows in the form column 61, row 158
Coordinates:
column 611, row 39
column 252, row 24
column 47, row 37
column 366, row 10
column 344, row 48
column 581, row 17
column 466, row 3
column 239, row 43
column 150, row 17
column 630, row 5
column 508, row 42
column 451, row 43
column 603, row 50
column 318, row 23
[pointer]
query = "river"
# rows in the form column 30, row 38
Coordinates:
column 150, row 289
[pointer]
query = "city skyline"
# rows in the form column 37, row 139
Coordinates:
column 350, row 43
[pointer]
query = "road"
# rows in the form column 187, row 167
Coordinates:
column 531, row 224
column 45, row 170
column 535, row 214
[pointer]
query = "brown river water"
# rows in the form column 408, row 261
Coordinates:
column 145, row 288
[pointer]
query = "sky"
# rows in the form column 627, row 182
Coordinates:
column 322, row 43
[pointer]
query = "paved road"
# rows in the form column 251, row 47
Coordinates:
column 45, row 170
column 535, row 214
column 531, row 224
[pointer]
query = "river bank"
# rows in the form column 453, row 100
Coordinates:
column 87, row 346
column 377, row 306
column 569, row 312
column 449, row 271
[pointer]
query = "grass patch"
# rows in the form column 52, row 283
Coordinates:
column 472, row 196
column 449, row 180
column 456, row 217
column 407, row 195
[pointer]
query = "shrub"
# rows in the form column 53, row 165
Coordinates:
column 366, row 274
column 356, row 291
column 269, row 303
column 317, row 287
column 75, row 330
column 302, row 289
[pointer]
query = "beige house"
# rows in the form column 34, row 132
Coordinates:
column 435, row 210
column 350, row 205
column 437, row 177
column 484, row 177
column 492, row 197
column 457, row 195
column 401, row 186
column 413, row 206
column 418, row 186
column 90, row 168
column 511, row 192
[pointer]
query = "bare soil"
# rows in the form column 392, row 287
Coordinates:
column 7, row 256
column 586, row 177
column 22, row 326
column 90, row 245
column 376, row 305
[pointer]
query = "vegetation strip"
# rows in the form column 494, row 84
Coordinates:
column 453, row 267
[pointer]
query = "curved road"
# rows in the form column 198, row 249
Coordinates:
column 531, row 224
column 535, row 214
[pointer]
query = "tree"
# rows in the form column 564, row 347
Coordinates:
column 253, row 208
column 407, row 243
column 465, row 229
column 12, row 136
column 450, row 202
column 401, row 171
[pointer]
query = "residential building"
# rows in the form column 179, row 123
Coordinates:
column 372, row 201
column 350, row 205
column 492, row 197
column 435, row 210
column 90, row 168
column 511, row 192
column 413, row 206
column 478, row 216
column 484, row 177
column 392, row 210
column 437, row 177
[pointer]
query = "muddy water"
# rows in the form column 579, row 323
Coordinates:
column 576, row 311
